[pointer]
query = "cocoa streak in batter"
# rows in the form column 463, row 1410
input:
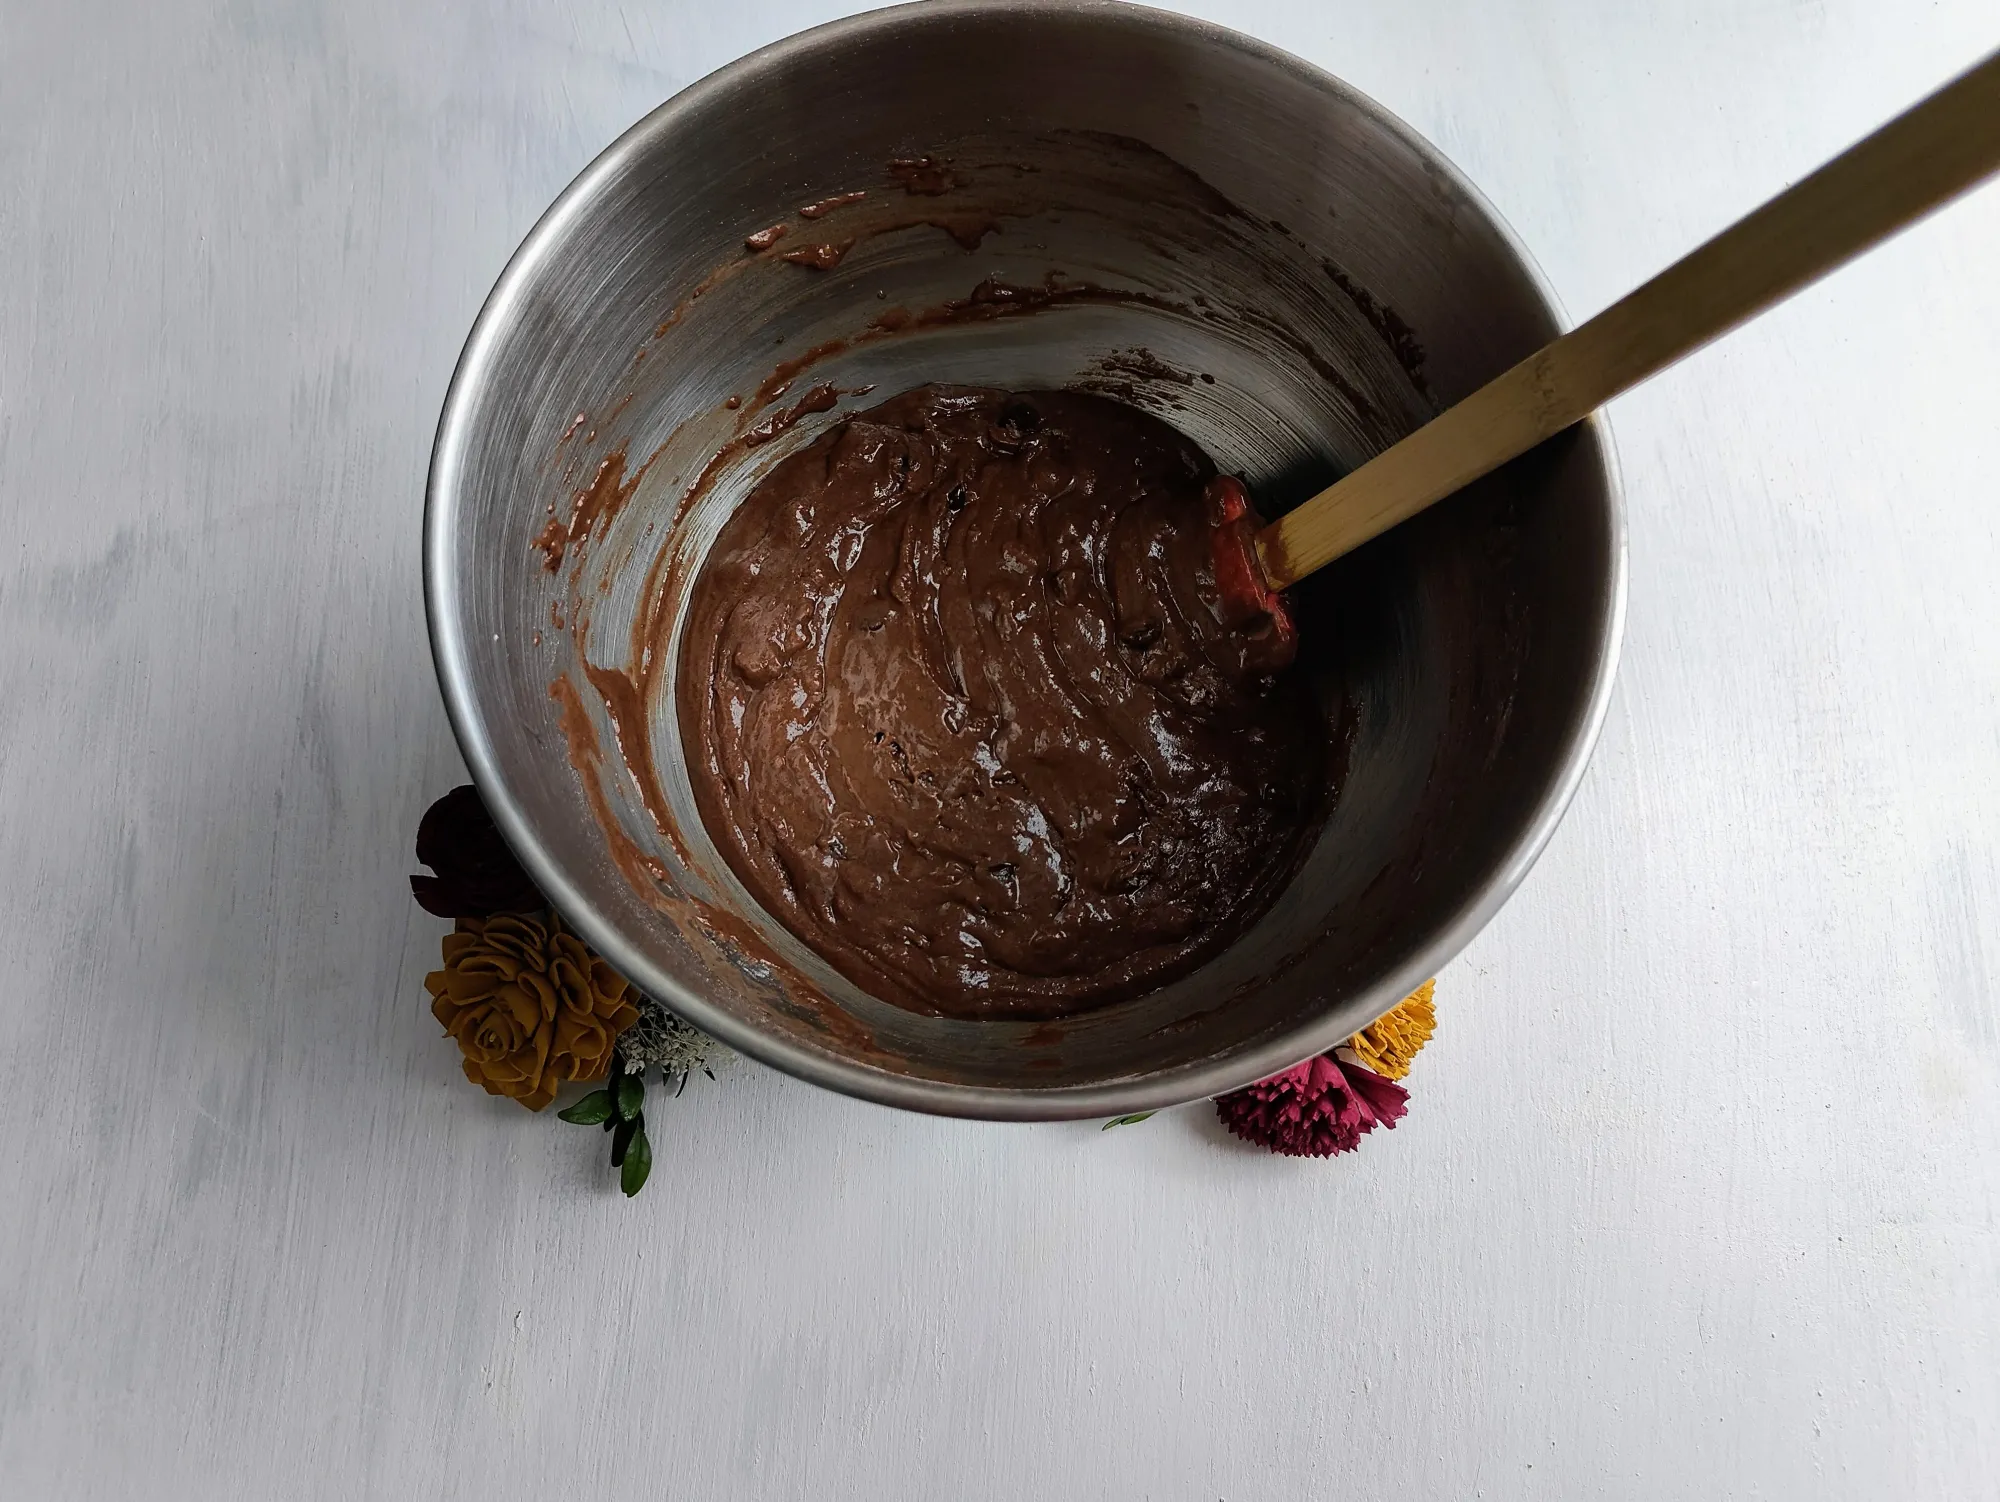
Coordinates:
column 959, row 713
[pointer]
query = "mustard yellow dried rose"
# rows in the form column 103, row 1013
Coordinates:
column 530, row 1005
column 1388, row 1043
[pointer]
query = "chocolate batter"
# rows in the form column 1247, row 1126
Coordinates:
column 959, row 712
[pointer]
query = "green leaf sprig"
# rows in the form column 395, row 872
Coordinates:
column 620, row 1109
column 1132, row 1120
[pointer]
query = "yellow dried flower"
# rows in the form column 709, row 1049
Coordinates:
column 530, row 1005
column 1388, row 1043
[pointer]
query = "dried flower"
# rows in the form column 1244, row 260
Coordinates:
column 660, row 1039
column 1388, row 1043
column 1314, row 1109
column 477, row 875
column 530, row 1005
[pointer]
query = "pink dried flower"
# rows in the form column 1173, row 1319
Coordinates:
column 1315, row 1109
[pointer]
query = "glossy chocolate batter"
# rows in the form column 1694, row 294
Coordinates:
column 959, row 712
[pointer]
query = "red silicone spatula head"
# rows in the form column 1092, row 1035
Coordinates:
column 1249, row 606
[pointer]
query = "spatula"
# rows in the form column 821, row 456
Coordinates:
column 1916, row 163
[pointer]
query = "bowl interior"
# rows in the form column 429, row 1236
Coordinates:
column 1093, row 196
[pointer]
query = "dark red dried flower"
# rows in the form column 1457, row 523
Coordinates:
column 477, row 875
column 1314, row 1109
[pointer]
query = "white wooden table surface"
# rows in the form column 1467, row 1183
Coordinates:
column 1699, row 1194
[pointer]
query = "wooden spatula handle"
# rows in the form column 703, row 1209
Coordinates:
column 1917, row 162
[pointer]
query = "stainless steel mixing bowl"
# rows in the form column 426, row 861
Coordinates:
column 1120, row 199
